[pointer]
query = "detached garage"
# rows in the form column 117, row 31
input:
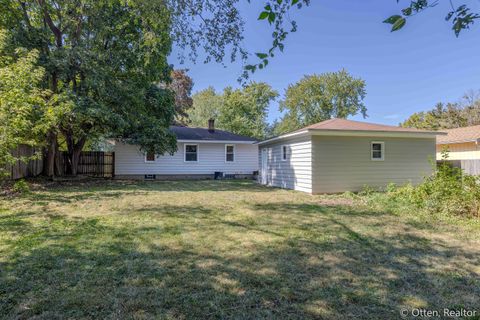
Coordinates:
column 341, row 155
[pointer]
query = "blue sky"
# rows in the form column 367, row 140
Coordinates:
column 406, row 71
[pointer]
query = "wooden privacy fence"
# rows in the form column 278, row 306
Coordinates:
column 21, row 169
column 92, row 163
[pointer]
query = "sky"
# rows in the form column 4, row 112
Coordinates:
column 406, row 71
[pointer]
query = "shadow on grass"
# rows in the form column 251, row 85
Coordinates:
column 85, row 268
column 68, row 192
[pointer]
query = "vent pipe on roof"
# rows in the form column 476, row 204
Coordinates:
column 211, row 125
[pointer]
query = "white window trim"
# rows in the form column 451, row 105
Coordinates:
column 286, row 152
column 150, row 161
column 185, row 152
column 382, row 150
column 234, row 153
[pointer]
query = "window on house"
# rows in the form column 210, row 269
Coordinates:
column 378, row 150
column 191, row 152
column 150, row 156
column 284, row 153
column 229, row 153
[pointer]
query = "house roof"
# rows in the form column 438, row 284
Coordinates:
column 203, row 134
column 458, row 135
column 349, row 127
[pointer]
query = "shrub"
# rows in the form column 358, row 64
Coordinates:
column 447, row 191
column 366, row 191
column 21, row 186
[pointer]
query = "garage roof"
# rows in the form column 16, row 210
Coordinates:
column 338, row 126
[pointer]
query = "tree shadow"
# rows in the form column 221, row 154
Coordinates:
column 88, row 268
column 69, row 192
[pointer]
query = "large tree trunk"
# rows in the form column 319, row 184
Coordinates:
column 73, row 154
column 50, row 154
column 75, row 157
column 58, row 163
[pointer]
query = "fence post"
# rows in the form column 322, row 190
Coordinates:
column 113, row 164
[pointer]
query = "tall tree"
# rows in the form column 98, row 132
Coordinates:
column 25, row 113
column 244, row 111
column 287, row 123
column 241, row 111
column 207, row 104
column 181, row 85
column 465, row 112
column 317, row 98
column 104, row 57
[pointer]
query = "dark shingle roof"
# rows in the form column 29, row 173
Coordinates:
column 187, row 133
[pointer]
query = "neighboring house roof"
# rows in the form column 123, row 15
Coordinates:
column 203, row 134
column 337, row 126
column 459, row 135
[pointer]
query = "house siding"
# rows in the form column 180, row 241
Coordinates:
column 460, row 151
column 294, row 173
column 344, row 163
column 211, row 157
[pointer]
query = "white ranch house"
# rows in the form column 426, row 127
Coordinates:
column 201, row 152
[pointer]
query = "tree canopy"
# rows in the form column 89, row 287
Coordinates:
column 465, row 112
column 104, row 57
column 181, row 85
column 207, row 104
column 317, row 98
column 25, row 113
column 242, row 111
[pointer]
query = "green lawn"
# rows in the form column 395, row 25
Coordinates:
column 228, row 249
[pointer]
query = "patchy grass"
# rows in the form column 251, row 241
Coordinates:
column 226, row 249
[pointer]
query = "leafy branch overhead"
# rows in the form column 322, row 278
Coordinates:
column 276, row 14
column 461, row 17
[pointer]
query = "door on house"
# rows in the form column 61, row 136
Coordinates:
column 264, row 171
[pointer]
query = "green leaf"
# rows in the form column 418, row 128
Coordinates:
column 261, row 55
column 399, row 24
column 407, row 11
column 263, row 15
column 294, row 2
column 392, row 19
column 271, row 17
